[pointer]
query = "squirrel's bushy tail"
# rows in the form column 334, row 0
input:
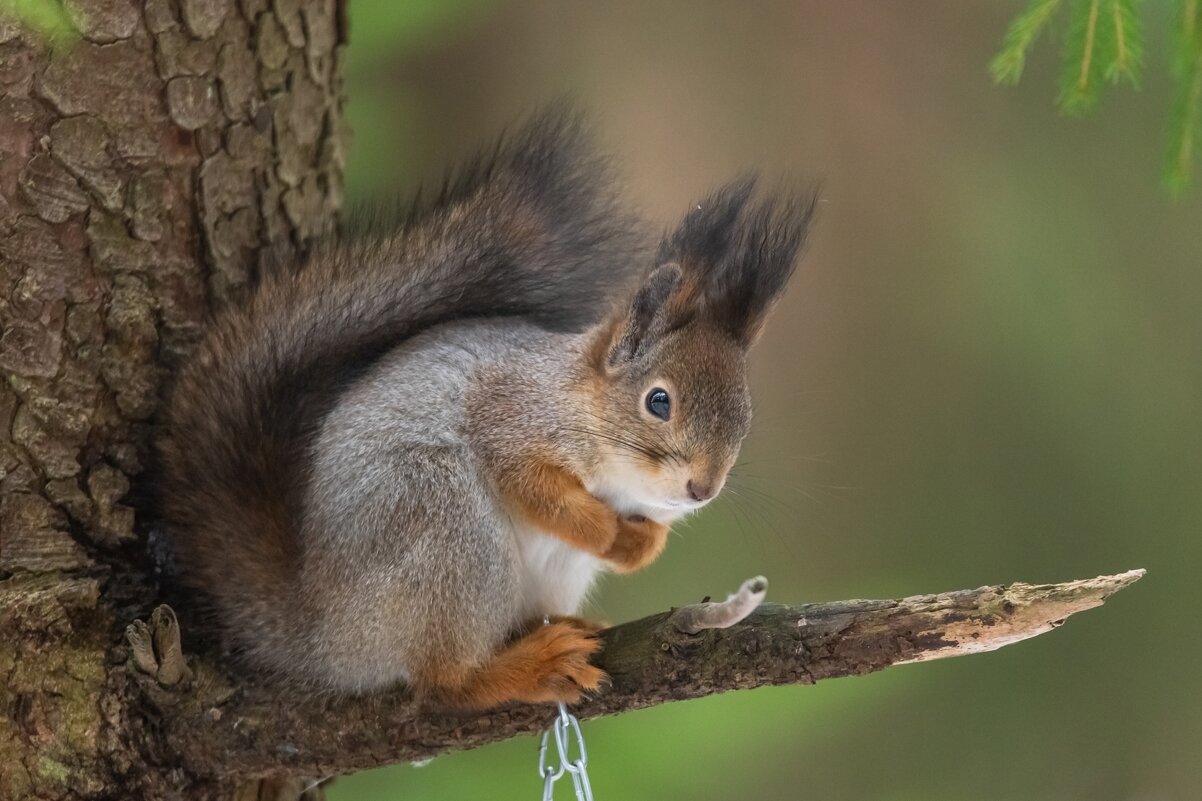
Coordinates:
column 531, row 229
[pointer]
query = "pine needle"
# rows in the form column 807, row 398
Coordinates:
column 1007, row 65
column 1090, row 43
column 1185, row 130
column 1129, row 43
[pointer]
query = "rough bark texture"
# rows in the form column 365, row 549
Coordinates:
column 145, row 161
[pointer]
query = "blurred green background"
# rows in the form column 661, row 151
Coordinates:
column 989, row 368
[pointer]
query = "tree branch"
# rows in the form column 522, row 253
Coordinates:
column 247, row 730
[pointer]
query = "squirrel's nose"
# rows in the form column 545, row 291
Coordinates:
column 699, row 491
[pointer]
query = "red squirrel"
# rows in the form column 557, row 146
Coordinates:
column 393, row 460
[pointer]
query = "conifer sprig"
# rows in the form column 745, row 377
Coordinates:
column 1103, row 45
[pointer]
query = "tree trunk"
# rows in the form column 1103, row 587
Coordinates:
column 150, row 151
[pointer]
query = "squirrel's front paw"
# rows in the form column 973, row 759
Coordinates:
column 639, row 541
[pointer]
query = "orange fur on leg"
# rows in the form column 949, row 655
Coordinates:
column 556, row 501
column 547, row 665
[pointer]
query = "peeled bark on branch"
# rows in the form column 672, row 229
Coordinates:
column 230, row 731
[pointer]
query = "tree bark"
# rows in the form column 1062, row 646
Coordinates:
column 150, row 151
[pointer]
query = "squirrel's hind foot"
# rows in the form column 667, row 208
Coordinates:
column 549, row 664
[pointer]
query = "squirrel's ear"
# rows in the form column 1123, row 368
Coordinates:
column 738, row 254
column 645, row 319
column 752, row 278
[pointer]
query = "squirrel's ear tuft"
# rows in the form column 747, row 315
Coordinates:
column 771, row 240
column 708, row 232
column 646, row 318
column 737, row 256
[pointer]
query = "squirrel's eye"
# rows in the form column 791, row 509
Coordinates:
column 659, row 404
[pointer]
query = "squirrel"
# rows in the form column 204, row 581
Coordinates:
column 405, row 458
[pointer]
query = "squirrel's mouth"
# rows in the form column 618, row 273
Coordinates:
column 683, row 503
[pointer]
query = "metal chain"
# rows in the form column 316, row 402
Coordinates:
column 565, row 730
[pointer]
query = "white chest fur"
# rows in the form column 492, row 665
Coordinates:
column 554, row 576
